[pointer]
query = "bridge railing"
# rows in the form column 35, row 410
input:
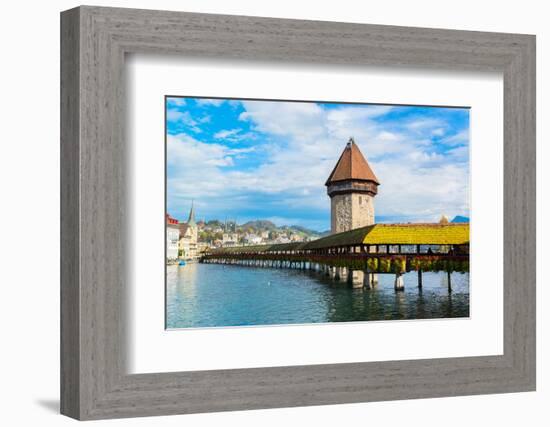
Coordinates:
column 370, row 262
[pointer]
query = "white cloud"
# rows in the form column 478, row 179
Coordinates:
column 235, row 136
column 174, row 115
column 296, row 119
column 226, row 133
column 178, row 102
column 462, row 137
column 209, row 101
column 424, row 193
column 423, row 124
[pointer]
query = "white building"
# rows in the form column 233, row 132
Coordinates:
column 230, row 239
column 296, row 238
column 172, row 238
column 282, row 239
column 252, row 239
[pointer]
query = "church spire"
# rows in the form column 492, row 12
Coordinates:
column 191, row 220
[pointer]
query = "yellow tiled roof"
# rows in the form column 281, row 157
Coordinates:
column 397, row 234
column 418, row 234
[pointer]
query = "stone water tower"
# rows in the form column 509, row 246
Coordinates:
column 351, row 187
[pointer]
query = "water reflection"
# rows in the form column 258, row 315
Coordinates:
column 207, row 295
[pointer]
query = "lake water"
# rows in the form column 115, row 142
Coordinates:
column 208, row 295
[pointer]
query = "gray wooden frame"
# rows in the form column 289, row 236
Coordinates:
column 94, row 41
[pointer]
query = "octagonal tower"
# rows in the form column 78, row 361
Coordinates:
column 351, row 187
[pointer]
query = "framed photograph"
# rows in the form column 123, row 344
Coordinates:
column 262, row 213
column 280, row 203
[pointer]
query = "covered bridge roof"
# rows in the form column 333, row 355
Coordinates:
column 398, row 234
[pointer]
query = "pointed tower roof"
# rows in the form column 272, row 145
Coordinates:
column 352, row 166
column 191, row 220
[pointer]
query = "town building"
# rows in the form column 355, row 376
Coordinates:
column 202, row 247
column 282, row 239
column 230, row 226
column 172, row 238
column 230, row 239
column 351, row 187
column 188, row 237
column 296, row 238
column 252, row 239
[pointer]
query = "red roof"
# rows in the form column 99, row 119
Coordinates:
column 170, row 220
column 352, row 166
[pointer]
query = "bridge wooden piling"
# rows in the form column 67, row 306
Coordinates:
column 342, row 274
column 357, row 278
column 399, row 282
column 367, row 280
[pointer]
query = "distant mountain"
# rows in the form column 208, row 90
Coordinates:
column 459, row 218
column 259, row 224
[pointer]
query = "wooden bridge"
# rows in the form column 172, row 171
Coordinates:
column 357, row 257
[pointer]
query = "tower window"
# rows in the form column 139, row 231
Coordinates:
column 360, row 200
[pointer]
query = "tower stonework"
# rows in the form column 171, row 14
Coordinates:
column 351, row 187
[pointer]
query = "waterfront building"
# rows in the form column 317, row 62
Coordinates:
column 252, row 239
column 172, row 238
column 230, row 239
column 296, row 238
column 203, row 247
column 188, row 238
column 351, row 187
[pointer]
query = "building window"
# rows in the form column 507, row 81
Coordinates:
column 360, row 200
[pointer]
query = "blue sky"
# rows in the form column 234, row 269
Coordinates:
column 248, row 159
